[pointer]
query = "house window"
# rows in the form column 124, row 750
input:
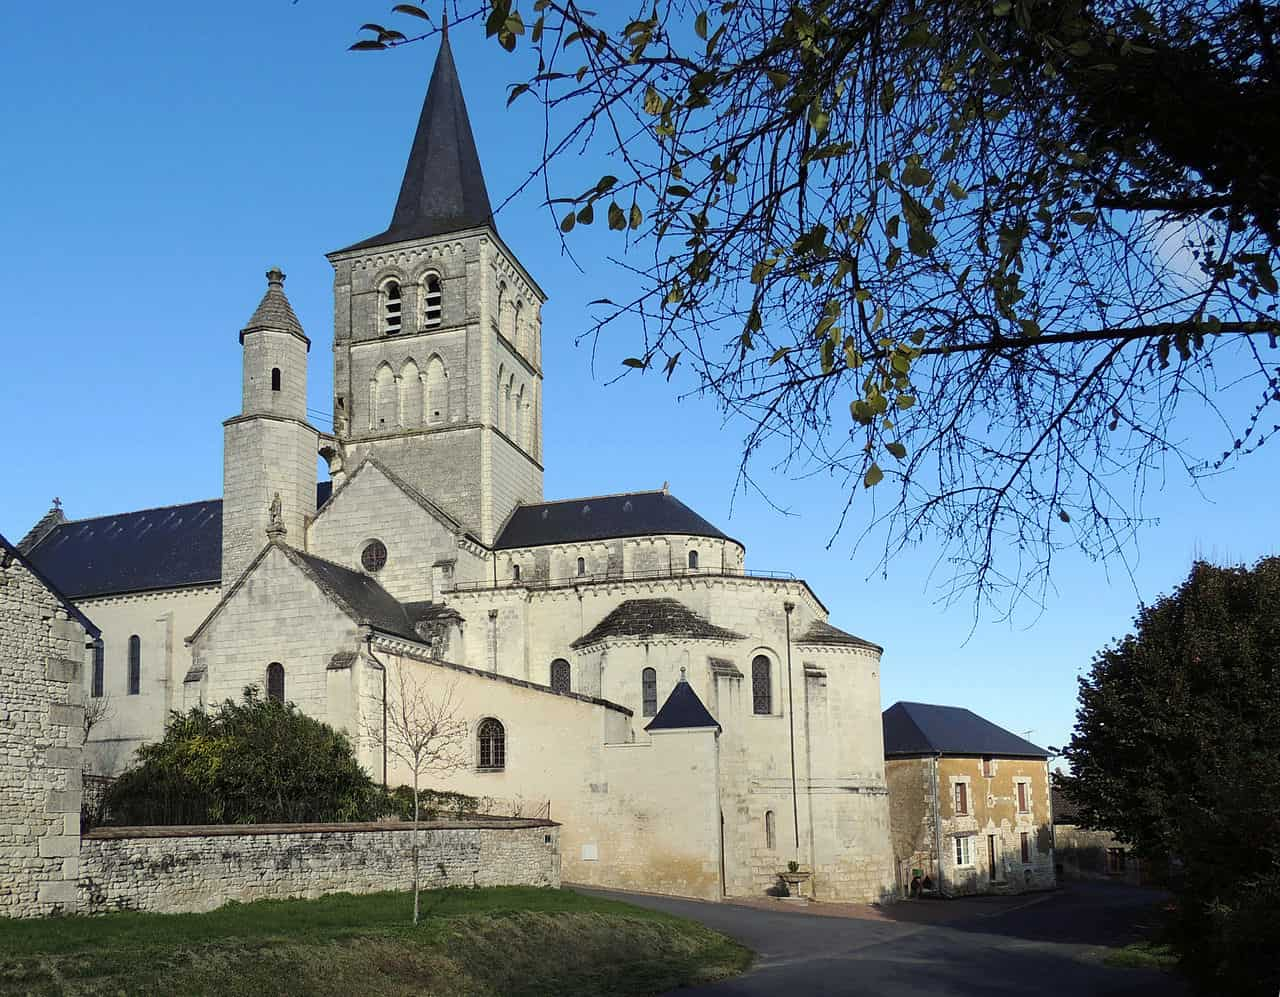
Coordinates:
column 391, row 308
column 374, row 556
column 515, row 572
column 993, row 856
column 761, row 686
column 649, row 692
column 275, row 378
column 1115, row 861
column 582, row 566
column 988, row 767
column 135, row 665
column 1024, row 799
column 99, row 658
column 275, row 682
column 493, row 744
column 962, row 799
column 432, row 301
column 1026, row 847
column 770, row 831
column 693, row 560
column 964, row 849
column 559, row 675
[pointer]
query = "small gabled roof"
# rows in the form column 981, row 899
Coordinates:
column 638, row 618
column 604, row 517
column 925, row 729
column 443, row 187
column 822, row 633
column 683, row 710
column 363, row 598
column 8, row 552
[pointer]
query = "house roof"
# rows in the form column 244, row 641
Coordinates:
column 9, row 552
column 274, row 310
column 682, row 710
column 172, row 546
column 364, row 599
column 443, row 187
column 823, row 633
column 1065, row 809
column 924, row 729
column 654, row 618
column 632, row 514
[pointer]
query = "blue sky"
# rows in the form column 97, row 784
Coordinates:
column 157, row 162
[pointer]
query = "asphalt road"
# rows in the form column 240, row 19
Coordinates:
column 1040, row 944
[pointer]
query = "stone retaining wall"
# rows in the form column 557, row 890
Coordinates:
column 199, row 868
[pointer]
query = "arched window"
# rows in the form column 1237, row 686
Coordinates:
column 504, row 302
column 437, row 391
column 770, row 831
column 385, row 402
column 500, row 417
column 693, row 560
column 517, row 327
column 582, row 566
column 517, row 430
column 493, row 744
column 410, row 394
column 508, row 399
column 99, row 669
column 515, row 572
column 649, row 692
column 135, row 665
column 559, row 675
column 391, row 308
column 275, row 682
column 432, row 301
column 761, row 686
column 275, row 378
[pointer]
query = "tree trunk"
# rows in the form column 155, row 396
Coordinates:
column 415, row 844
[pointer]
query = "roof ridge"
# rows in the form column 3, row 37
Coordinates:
column 594, row 498
column 135, row 512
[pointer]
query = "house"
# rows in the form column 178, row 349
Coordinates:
column 1082, row 853
column 969, row 804
column 695, row 725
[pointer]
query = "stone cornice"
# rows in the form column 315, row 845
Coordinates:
column 146, row 595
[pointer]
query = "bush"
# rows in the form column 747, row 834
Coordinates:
column 432, row 803
column 251, row 762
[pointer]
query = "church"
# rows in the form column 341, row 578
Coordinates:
column 693, row 726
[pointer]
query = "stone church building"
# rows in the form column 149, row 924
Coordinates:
column 694, row 726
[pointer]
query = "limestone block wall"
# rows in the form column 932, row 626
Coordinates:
column 912, row 815
column 162, row 621
column 42, row 655
column 189, row 869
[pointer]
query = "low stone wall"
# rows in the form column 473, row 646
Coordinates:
column 199, row 868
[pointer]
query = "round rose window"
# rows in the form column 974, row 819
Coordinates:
column 374, row 555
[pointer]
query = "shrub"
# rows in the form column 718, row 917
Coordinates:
column 250, row 762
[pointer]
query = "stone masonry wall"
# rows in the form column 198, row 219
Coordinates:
column 41, row 657
column 191, row 869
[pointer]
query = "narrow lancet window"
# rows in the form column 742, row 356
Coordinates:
column 135, row 665
column 649, row 692
column 391, row 308
column 275, row 682
column 432, row 301
column 761, row 686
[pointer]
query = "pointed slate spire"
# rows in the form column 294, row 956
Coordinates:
column 274, row 310
column 683, row 710
column 443, row 188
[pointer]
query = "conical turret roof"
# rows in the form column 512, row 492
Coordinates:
column 274, row 310
column 443, row 188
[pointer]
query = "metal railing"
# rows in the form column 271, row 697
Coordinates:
column 600, row 577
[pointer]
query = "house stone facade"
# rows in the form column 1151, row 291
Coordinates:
column 42, row 655
column 569, row 632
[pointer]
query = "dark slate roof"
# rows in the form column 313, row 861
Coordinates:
column 443, row 188
column 821, row 632
column 922, row 729
column 169, row 547
column 274, row 310
column 8, row 552
column 682, row 710
column 368, row 601
column 654, row 618
column 1065, row 809
column 635, row 514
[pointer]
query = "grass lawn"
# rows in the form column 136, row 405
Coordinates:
column 1143, row 955
column 510, row 940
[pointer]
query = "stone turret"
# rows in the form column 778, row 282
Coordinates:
column 269, row 449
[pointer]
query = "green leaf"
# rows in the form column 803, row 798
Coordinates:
column 700, row 25
column 778, row 78
column 1078, row 49
column 1001, row 8
column 905, row 402
column 617, row 220
column 516, row 91
column 636, row 363
column 956, row 191
column 873, row 476
column 916, row 175
column 587, row 215
column 1083, row 217
column 671, row 365
column 778, row 354
column 897, row 449
column 679, row 190
column 605, row 184
column 367, row 45
column 567, row 223
column 652, row 101
column 637, row 216
column 411, row 10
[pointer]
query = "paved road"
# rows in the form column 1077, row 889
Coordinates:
column 1042, row 944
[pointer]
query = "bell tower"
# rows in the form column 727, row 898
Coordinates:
column 269, row 449
column 437, row 333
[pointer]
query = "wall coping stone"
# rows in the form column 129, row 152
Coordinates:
column 243, row 830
